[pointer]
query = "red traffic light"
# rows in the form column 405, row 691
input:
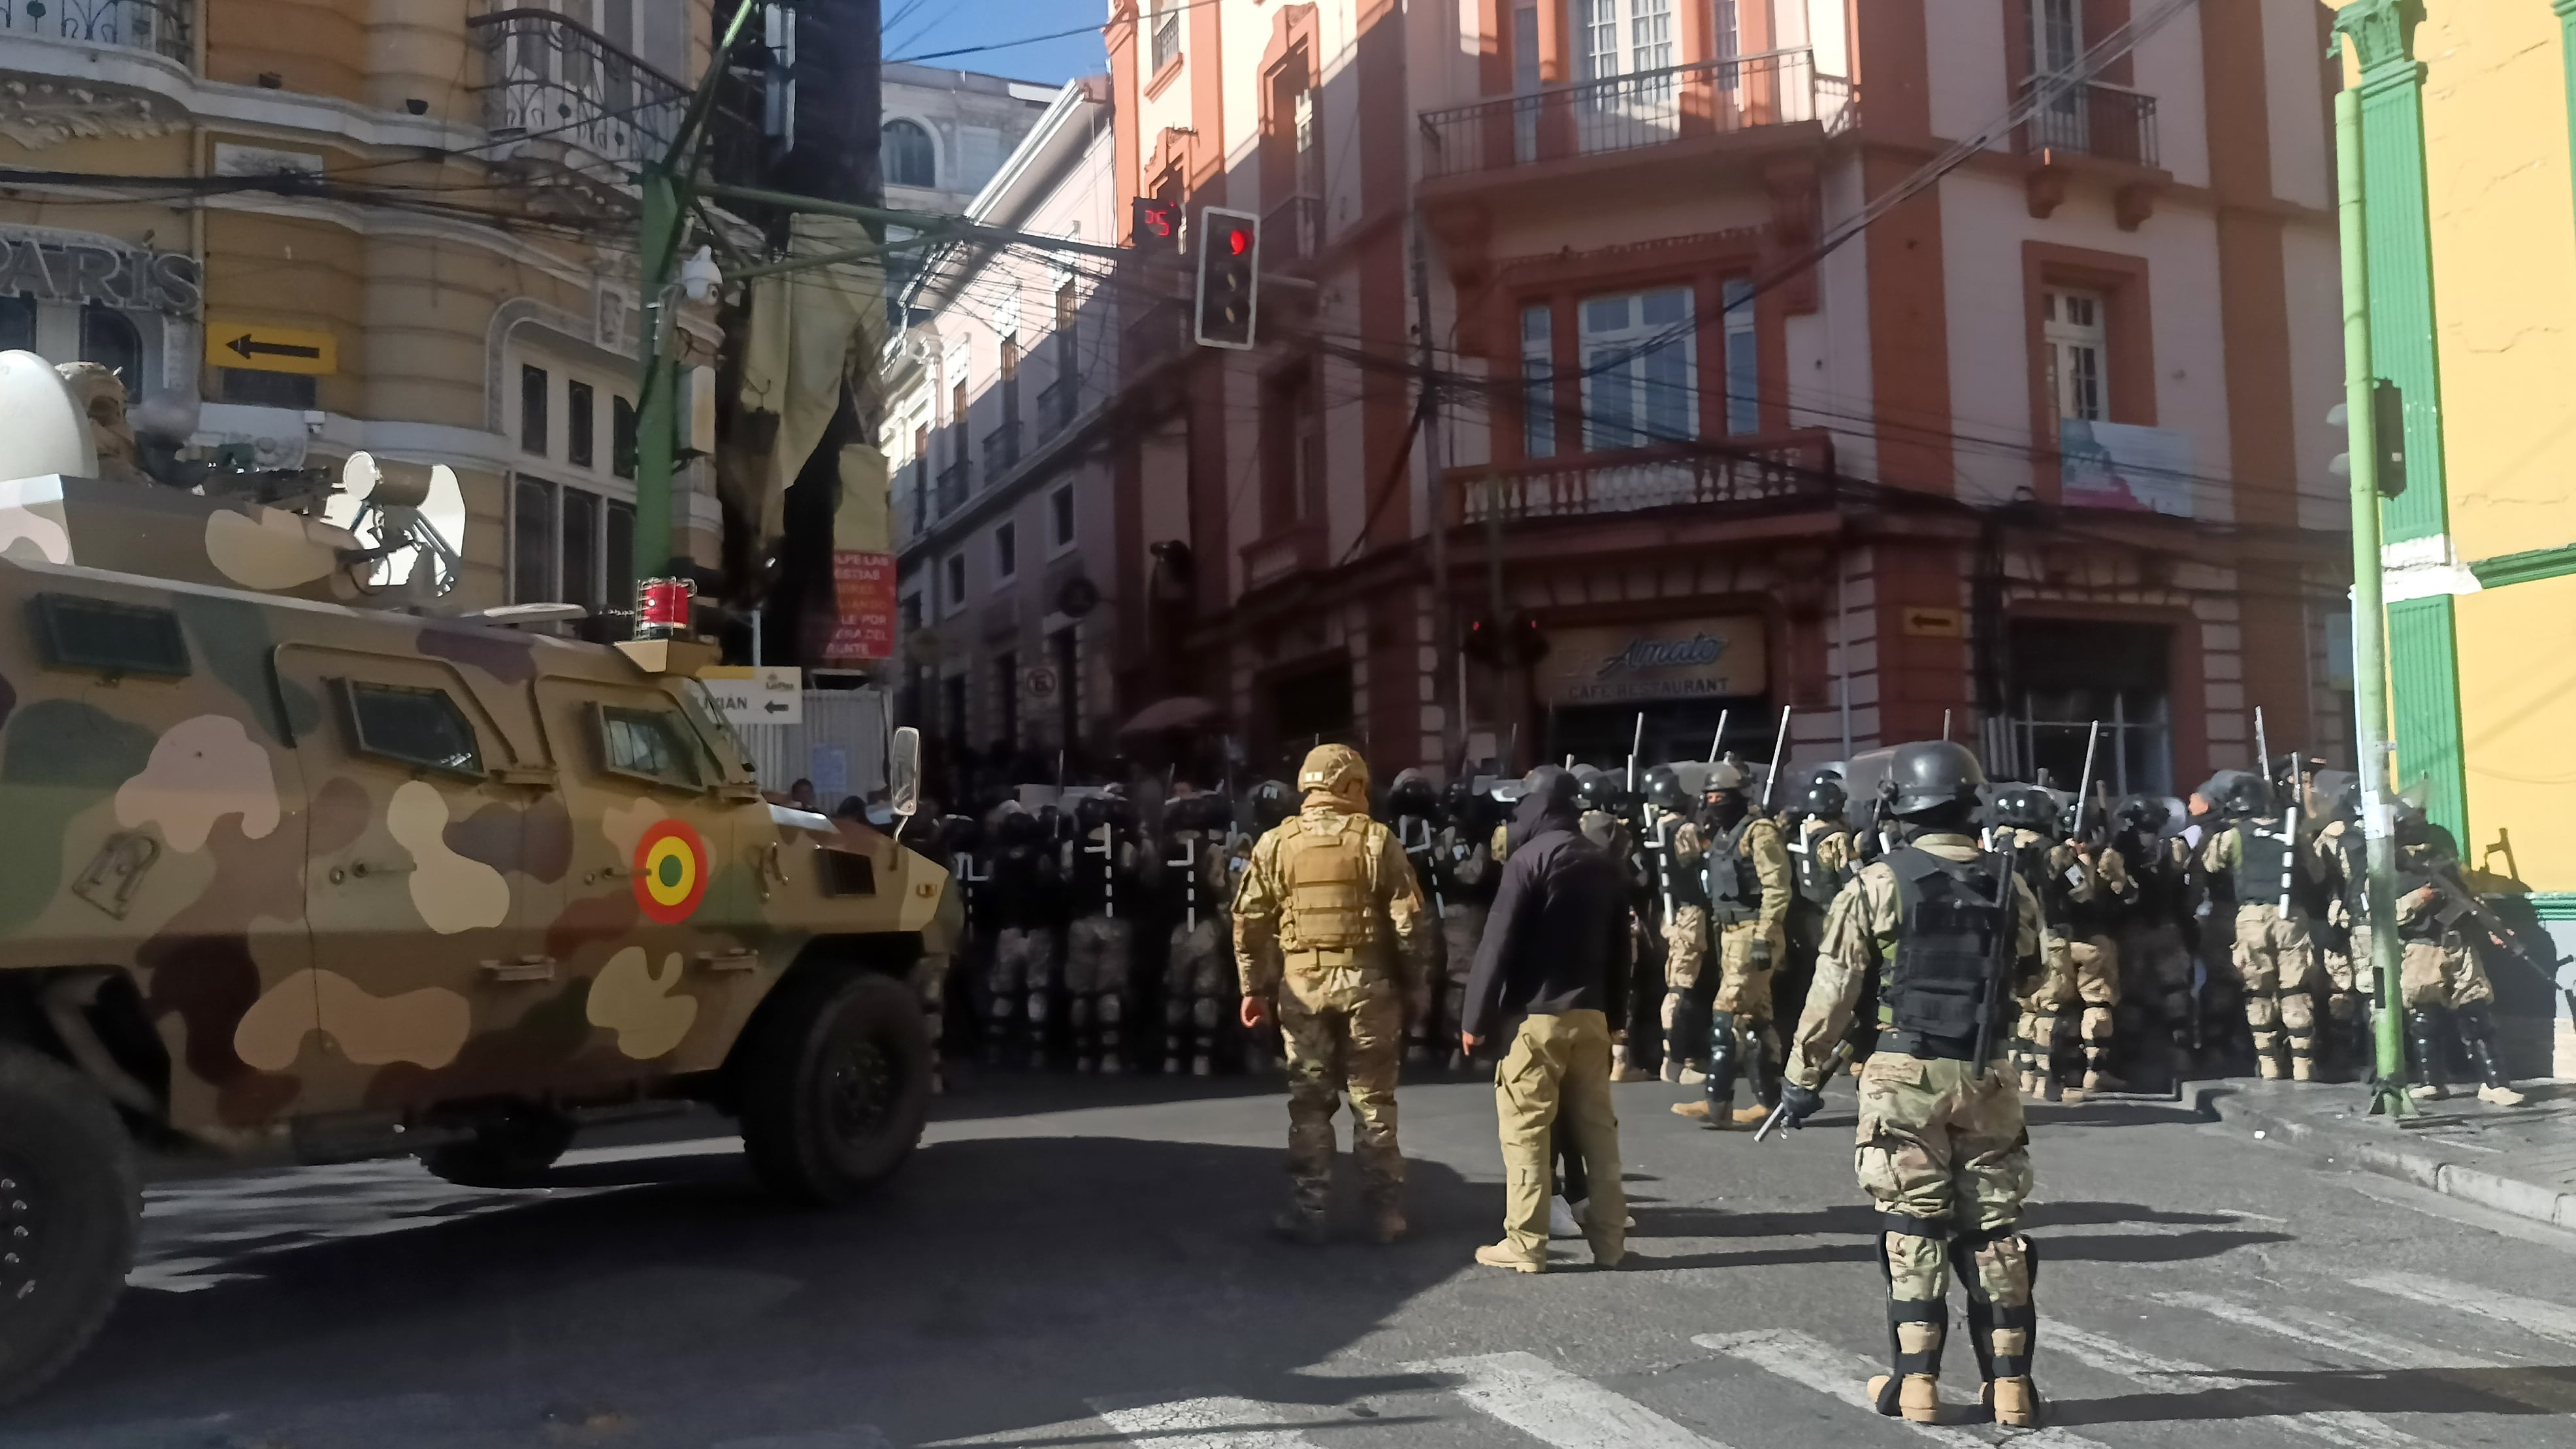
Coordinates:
column 1238, row 240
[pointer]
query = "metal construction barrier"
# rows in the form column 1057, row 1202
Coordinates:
column 840, row 746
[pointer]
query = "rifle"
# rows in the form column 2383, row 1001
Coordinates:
column 2007, row 941
column 1779, row 742
column 2462, row 903
column 1842, row 1053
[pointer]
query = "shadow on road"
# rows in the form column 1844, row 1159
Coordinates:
column 2537, row 1390
column 993, row 1285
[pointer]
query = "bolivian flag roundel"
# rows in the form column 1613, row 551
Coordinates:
column 670, row 872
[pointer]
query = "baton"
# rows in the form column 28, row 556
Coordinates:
column 1833, row 1064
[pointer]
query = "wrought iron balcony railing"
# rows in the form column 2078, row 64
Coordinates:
column 1055, row 405
column 549, row 78
column 1780, row 468
column 159, row 27
column 1002, row 450
column 2093, row 119
column 952, row 488
column 1627, row 112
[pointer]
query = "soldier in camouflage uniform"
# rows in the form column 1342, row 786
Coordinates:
column 2439, row 921
column 2275, row 956
column 1683, row 854
column 1415, row 805
column 1465, row 872
column 1820, row 857
column 1942, row 1147
column 1100, row 946
column 2157, row 964
column 1749, row 888
column 1023, row 888
column 1194, row 875
column 1331, row 932
column 1668, row 891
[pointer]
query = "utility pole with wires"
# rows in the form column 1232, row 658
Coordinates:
column 1453, row 720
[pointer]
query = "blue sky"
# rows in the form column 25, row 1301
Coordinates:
column 934, row 25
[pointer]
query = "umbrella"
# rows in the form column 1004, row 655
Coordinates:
column 1180, row 712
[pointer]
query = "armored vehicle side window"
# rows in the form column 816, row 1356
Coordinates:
column 412, row 727
column 110, row 637
column 652, row 743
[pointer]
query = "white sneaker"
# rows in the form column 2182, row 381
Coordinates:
column 1583, row 1214
column 2501, row 1097
column 1560, row 1220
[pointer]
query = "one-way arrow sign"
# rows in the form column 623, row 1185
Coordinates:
column 256, row 347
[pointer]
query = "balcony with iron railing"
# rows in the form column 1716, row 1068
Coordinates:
column 1056, row 403
column 1782, row 468
column 555, row 83
column 155, row 27
column 1001, row 450
column 953, row 487
column 1669, row 107
column 2092, row 118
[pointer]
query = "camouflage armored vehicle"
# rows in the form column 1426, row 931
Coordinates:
column 280, row 876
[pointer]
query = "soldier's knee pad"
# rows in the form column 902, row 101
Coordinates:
column 1203, row 1013
column 2097, row 1023
column 2262, row 1013
column 1037, row 1008
column 2298, row 1012
column 1111, row 1008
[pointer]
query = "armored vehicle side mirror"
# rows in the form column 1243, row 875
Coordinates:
column 903, row 771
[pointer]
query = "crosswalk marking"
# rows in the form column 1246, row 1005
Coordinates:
column 1214, row 1422
column 2333, row 1426
column 2326, row 1331
column 2549, row 1320
column 1563, row 1409
column 1803, row 1359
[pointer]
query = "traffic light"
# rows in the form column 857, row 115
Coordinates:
column 2388, row 429
column 1156, row 225
column 1229, row 248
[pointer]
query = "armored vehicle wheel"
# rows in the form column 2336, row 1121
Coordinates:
column 835, row 1089
column 509, row 1149
column 70, row 1199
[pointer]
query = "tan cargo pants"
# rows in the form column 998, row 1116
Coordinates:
column 1943, row 1144
column 2276, row 962
column 1558, row 1071
column 1344, row 1031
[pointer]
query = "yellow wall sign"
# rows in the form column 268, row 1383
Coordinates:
column 1925, row 621
column 258, row 347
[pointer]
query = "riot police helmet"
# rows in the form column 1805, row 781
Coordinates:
column 1598, row 790
column 1017, row 827
column 1272, row 802
column 1090, row 813
column 1825, row 798
column 1930, row 776
column 2023, row 807
column 2242, row 792
column 2143, row 813
column 1413, row 795
column 1552, row 782
column 1664, row 789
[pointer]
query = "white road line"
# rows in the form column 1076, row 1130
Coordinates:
column 1561, row 1408
column 2333, row 1334
column 1810, row 1361
column 1216, row 1422
column 2332, row 1426
column 2549, row 1320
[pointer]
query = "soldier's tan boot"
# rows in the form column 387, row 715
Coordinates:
column 1751, row 1116
column 1696, row 1109
column 1504, row 1255
column 1298, row 1225
column 2015, row 1402
column 1918, row 1399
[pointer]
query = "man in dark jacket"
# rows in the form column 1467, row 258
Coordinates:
column 1545, row 987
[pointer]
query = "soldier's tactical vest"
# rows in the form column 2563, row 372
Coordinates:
column 2144, row 856
column 2262, row 859
column 2030, row 862
column 1950, row 917
column 2352, row 871
column 1734, row 890
column 1818, row 883
column 1688, row 884
column 1328, row 880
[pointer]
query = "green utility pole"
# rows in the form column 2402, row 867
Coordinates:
column 2369, row 620
column 668, row 187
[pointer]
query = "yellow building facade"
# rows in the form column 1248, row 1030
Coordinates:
column 2472, row 248
column 300, row 228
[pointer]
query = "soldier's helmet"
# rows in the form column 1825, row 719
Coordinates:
column 1333, row 770
column 1598, row 790
column 2143, row 813
column 1931, row 774
column 1272, row 802
column 2337, row 794
column 2244, row 794
column 1727, row 777
column 1664, row 789
column 2023, row 807
column 1825, row 797
column 1462, row 802
column 1413, row 794
column 1091, row 813
column 1017, row 827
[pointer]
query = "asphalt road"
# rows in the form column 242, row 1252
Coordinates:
column 1078, row 1263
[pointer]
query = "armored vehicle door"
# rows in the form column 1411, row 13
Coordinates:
column 427, row 910
column 657, row 917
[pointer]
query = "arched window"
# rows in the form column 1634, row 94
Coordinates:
column 908, row 158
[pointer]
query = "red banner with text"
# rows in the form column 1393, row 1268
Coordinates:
column 863, row 625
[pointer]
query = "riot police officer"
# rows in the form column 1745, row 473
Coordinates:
column 1196, row 882
column 2439, row 921
column 1024, row 887
column 1943, row 1151
column 1820, row 860
column 2157, row 962
column 2275, row 957
column 1465, row 874
column 1100, row 945
column 1414, row 804
column 1330, row 933
column 1748, row 908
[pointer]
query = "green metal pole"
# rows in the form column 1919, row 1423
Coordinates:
column 2369, row 619
column 656, row 417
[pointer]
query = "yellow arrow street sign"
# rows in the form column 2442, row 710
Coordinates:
column 258, row 347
